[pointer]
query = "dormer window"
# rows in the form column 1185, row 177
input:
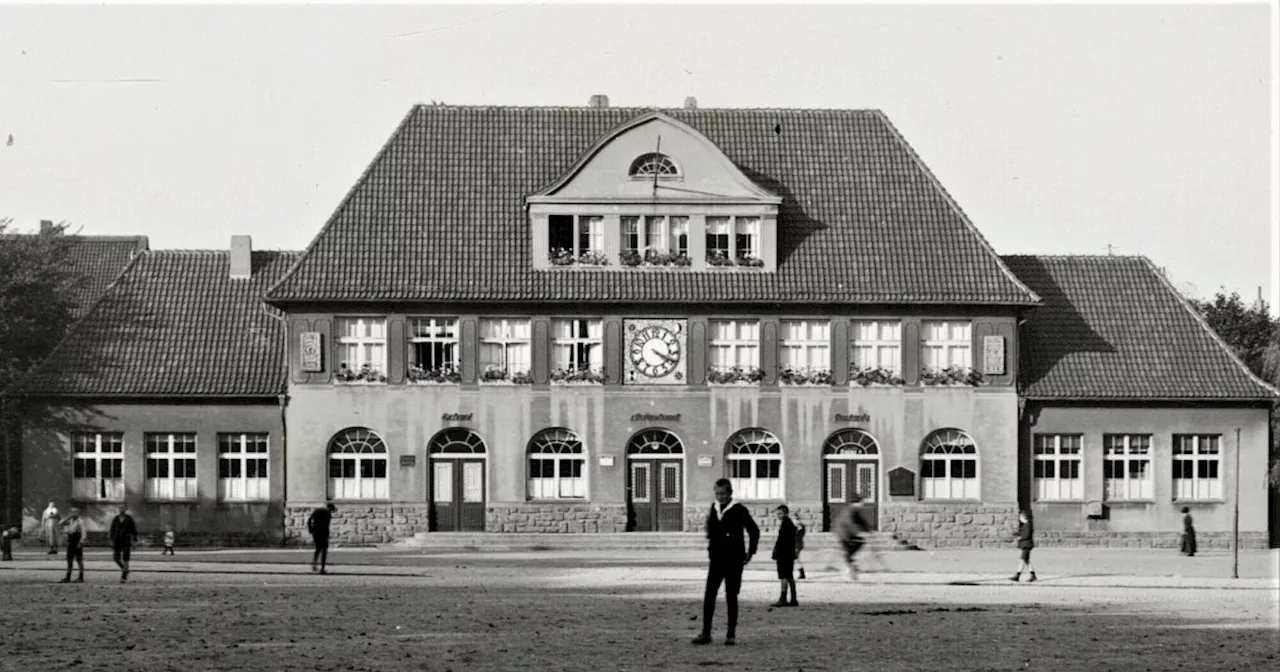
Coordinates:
column 746, row 238
column 653, row 164
column 575, row 239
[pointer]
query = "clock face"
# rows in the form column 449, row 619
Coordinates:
column 655, row 352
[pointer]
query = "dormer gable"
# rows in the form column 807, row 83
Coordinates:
column 654, row 193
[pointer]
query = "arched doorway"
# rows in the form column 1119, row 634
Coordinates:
column 655, row 482
column 457, row 457
column 851, row 466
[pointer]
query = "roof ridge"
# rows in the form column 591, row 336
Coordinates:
column 1204, row 324
column 643, row 108
column 964, row 219
column 351, row 192
column 1126, row 257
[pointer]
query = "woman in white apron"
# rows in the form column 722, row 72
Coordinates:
column 49, row 523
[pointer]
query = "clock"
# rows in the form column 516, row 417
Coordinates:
column 655, row 352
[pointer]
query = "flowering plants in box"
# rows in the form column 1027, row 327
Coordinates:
column 817, row 377
column 952, row 375
column 630, row 258
column 578, row 377
column 498, row 374
column 717, row 258
column 365, row 374
column 735, row 375
column 873, row 375
column 443, row 375
column 749, row 261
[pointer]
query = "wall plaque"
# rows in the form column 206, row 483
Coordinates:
column 606, row 460
column 902, row 482
column 312, row 359
column 408, row 460
column 993, row 355
column 706, row 460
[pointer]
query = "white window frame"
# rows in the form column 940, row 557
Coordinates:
column 512, row 339
column 748, row 229
column 946, row 343
column 1058, row 467
column 562, row 451
column 1199, row 454
column 877, row 344
column 734, row 344
column 645, row 166
column 365, row 451
column 240, row 453
column 748, row 453
column 170, row 453
column 431, row 332
column 577, row 344
column 655, row 234
column 98, row 452
column 805, row 345
column 732, row 228
column 588, row 235
column 1128, row 451
column 954, row 449
column 361, row 341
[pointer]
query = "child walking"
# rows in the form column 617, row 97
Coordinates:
column 785, row 552
column 168, row 542
column 73, row 533
column 1026, row 532
column 1188, row 533
column 728, row 527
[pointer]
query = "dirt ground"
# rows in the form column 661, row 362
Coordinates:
column 498, row 611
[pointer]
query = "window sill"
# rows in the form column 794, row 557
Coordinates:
column 79, row 500
column 504, row 383
column 1128, row 502
column 1206, row 502
column 244, row 501
column 576, row 383
column 357, row 383
column 741, row 383
column 433, row 383
column 565, row 500
column 188, row 500
column 1073, row 502
column 951, row 501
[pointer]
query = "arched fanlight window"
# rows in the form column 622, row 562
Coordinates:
column 753, row 458
column 949, row 466
column 556, row 464
column 655, row 442
column 456, row 441
column 357, row 465
column 652, row 164
column 851, row 442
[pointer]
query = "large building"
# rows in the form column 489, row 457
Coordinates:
column 577, row 319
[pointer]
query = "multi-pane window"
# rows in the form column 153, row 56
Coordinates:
column 806, row 345
column 735, row 344
column 97, row 466
column 357, row 465
column 556, row 462
column 433, row 344
column 242, row 467
column 653, row 164
column 171, row 466
column 735, row 238
column 945, row 344
column 575, row 235
column 362, row 344
column 1057, row 467
column 746, row 237
column 655, row 235
column 877, row 344
column 718, row 239
column 1196, row 465
column 1126, row 466
column 753, row 458
column 949, row 466
column 504, row 348
column 577, row 345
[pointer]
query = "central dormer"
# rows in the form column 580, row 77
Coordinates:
column 655, row 194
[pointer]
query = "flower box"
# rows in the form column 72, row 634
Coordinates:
column 874, row 377
column 578, row 377
column 562, row 257
column 652, row 259
column 499, row 376
column 806, row 378
column 365, row 375
column 421, row 376
column 952, row 375
column 735, row 376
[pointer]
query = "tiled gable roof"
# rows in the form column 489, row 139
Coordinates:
column 100, row 259
column 1113, row 328
column 439, row 215
column 174, row 325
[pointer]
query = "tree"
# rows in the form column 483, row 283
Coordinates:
column 1255, row 338
column 38, row 286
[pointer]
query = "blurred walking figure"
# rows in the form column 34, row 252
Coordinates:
column 168, row 542
column 73, row 528
column 1026, row 542
column 49, row 526
column 1188, row 533
column 124, row 534
column 318, row 527
column 6, row 542
column 850, row 528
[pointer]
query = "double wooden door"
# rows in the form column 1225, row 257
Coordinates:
column 846, row 480
column 457, row 495
column 655, row 493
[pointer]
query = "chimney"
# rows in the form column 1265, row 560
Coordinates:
column 46, row 226
column 690, row 103
column 241, row 257
column 598, row 100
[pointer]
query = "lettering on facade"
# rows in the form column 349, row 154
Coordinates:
column 312, row 361
column 993, row 355
column 853, row 417
column 408, row 460
column 456, row 417
column 656, row 417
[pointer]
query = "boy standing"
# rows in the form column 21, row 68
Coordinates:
column 1026, row 532
column 727, row 525
column 318, row 527
column 785, row 552
column 124, row 534
column 73, row 528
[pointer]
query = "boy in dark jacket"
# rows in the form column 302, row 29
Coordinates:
column 1026, row 542
column 318, row 527
column 785, row 551
column 123, row 535
column 727, row 525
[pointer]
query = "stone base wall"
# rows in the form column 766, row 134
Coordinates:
column 1205, row 541
column 930, row 525
column 808, row 513
column 568, row 518
column 359, row 523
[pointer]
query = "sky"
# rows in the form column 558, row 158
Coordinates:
column 1059, row 129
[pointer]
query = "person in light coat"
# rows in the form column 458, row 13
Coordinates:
column 49, row 525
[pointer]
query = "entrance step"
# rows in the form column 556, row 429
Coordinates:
column 528, row 541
